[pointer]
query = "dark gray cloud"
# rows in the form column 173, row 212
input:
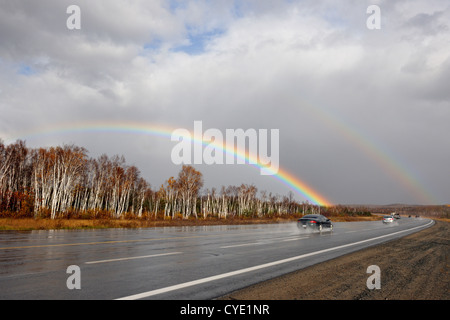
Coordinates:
column 353, row 105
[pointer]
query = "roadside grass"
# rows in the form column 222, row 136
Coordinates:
column 442, row 219
column 23, row 224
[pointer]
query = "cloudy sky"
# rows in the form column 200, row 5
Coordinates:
column 363, row 115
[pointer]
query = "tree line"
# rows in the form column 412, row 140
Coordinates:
column 64, row 182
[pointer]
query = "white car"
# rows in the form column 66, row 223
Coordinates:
column 388, row 219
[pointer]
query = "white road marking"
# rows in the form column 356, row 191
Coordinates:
column 265, row 241
column 262, row 266
column 243, row 244
column 293, row 239
column 132, row 258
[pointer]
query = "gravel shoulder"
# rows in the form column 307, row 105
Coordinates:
column 415, row 267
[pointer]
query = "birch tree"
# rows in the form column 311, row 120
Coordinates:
column 189, row 183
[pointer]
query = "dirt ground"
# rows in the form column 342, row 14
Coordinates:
column 415, row 267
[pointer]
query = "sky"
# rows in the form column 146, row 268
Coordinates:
column 363, row 114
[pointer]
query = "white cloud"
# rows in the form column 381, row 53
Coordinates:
column 255, row 65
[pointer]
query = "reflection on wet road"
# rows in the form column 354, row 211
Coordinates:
column 213, row 260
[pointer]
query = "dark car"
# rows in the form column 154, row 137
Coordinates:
column 314, row 221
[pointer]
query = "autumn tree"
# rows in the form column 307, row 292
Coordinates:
column 15, row 176
column 64, row 182
column 188, row 184
column 169, row 192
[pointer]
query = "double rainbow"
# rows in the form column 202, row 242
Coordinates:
column 382, row 158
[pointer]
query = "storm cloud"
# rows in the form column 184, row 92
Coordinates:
column 363, row 115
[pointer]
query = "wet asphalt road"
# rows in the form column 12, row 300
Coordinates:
column 174, row 262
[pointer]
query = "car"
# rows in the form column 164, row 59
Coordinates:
column 388, row 219
column 315, row 222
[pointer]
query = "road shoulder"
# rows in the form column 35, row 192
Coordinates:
column 415, row 267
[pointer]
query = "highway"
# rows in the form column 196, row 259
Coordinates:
column 174, row 263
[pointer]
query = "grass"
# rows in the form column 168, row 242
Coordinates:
column 48, row 224
column 23, row 224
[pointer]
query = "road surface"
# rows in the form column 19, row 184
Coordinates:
column 173, row 263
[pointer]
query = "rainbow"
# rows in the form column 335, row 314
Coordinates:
column 383, row 158
column 282, row 175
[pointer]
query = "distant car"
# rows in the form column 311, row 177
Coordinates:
column 314, row 221
column 395, row 215
column 388, row 219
